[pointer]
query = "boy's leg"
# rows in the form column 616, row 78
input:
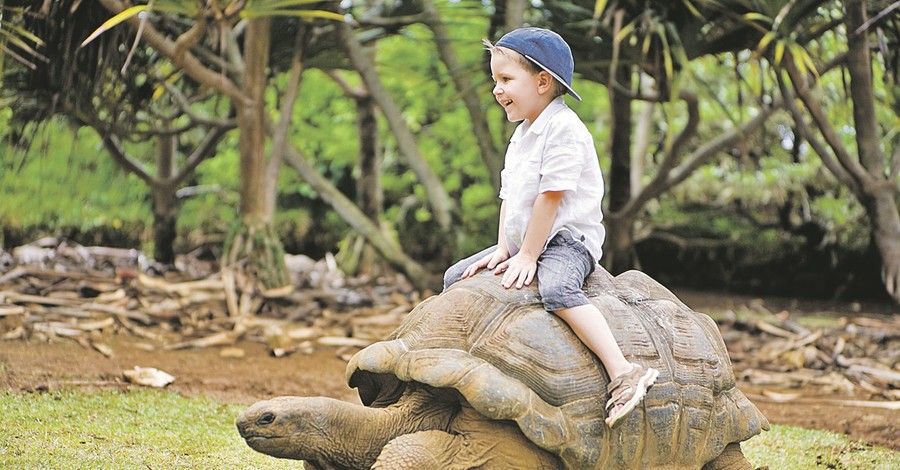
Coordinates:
column 591, row 328
column 562, row 269
column 455, row 272
column 628, row 382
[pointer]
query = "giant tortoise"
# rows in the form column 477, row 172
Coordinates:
column 483, row 377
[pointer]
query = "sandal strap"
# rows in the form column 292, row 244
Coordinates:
column 620, row 389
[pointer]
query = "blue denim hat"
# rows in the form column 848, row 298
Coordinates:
column 546, row 49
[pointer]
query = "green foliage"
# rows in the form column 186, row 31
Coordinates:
column 63, row 177
column 758, row 191
column 59, row 181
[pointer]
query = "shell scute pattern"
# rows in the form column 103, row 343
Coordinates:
column 512, row 360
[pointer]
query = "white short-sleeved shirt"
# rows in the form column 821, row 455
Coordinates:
column 554, row 153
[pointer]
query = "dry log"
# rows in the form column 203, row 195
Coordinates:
column 57, row 329
column 14, row 273
column 14, row 297
column 129, row 314
column 343, row 341
column 888, row 376
column 224, row 338
column 797, row 398
column 10, row 310
column 180, row 288
column 771, row 329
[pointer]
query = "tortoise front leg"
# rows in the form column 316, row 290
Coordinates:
column 423, row 449
column 473, row 442
column 732, row 458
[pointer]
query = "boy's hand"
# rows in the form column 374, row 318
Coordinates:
column 489, row 261
column 518, row 270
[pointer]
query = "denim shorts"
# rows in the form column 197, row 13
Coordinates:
column 562, row 269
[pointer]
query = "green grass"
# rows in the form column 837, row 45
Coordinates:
column 149, row 429
column 787, row 447
column 123, row 430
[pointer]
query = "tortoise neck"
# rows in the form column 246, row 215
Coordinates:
column 364, row 431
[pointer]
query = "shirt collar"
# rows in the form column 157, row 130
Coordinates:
column 558, row 104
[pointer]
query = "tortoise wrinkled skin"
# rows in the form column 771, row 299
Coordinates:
column 509, row 360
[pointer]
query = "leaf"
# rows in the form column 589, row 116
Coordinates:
column 625, row 31
column 115, row 20
column 797, row 52
column 18, row 42
column 779, row 52
column 691, row 8
column 666, row 50
column 807, row 60
column 599, row 6
column 645, row 47
column 15, row 56
column 276, row 4
column 21, row 32
column 297, row 13
column 764, row 43
column 755, row 16
column 782, row 14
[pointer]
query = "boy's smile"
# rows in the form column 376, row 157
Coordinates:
column 521, row 93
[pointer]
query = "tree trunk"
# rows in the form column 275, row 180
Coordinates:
column 881, row 206
column 619, row 254
column 356, row 254
column 369, row 192
column 880, row 187
column 165, row 201
column 163, row 186
column 254, row 247
column 867, row 173
column 368, row 228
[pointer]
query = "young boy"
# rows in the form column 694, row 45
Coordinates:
column 551, row 190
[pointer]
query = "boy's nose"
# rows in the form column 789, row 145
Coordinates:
column 497, row 89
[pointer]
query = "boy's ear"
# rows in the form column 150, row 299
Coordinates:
column 545, row 82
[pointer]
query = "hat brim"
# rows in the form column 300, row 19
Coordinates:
column 554, row 75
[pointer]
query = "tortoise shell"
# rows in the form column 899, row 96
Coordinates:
column 512, row 360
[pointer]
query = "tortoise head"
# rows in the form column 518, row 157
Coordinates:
column 288, row 427
column 321, row 431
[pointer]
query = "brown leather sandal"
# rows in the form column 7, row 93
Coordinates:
column 628, row 390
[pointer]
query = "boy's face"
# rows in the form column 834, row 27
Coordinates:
column 521, row 93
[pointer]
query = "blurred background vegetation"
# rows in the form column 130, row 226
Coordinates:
column 711, row 120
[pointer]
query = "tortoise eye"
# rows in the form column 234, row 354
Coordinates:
column 265, row 419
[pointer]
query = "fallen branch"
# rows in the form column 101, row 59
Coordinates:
column 794, row 398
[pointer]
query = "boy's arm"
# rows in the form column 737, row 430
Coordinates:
column 501, row 232
column 499, row 255
column 521, row 268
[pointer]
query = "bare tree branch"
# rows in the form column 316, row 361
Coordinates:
column 438, row 200
column 491, row 157
column 279, row 137
column 800, row 85
column 203, row 151
column 120, row 156
column 817, row 144
column 343, row 206
column 665, row 180
column 187, row 61
column 346, row 87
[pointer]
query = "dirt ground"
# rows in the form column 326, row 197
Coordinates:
column 34, row 366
